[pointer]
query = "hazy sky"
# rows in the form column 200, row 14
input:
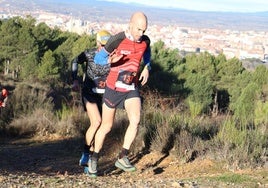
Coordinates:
column 207, row 5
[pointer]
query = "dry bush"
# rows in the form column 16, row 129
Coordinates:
column 34, row 112
column 44, row 122
column 31, row 110
column 40, row 123
column 26, row 98
column 163, row 139
column 72, row 122
column 66, row 127
column 79, row 121
column 171, row 132
column 188, row 146
column 152, row 100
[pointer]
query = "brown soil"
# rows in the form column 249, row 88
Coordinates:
column 54, row 163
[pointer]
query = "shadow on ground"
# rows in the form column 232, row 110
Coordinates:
column 50, row 157
column 20, row 156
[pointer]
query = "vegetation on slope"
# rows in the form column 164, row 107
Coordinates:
column 194, row 105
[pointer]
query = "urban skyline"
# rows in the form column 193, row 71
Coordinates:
column 242, row 41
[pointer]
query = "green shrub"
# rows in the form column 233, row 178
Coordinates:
column 195, row 108
column 200, row 96
column 245, row 105
column 260, row 113
column 242, row 147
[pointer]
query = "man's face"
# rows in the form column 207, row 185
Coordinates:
column 137, row 29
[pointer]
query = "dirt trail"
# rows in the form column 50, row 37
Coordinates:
column 37, row 163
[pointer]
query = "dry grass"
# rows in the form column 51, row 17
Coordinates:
column 40, row 123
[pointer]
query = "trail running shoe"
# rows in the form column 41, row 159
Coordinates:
column 84, row 159
column 92, row 166
column 125, row 165
column 86, row 171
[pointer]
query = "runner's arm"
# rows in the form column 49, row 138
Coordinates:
column 147, row 58
column 147, row 53
column 81, row 58
column 107, row 54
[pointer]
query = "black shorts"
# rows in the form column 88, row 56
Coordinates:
column 116, row 99
column 90, row 96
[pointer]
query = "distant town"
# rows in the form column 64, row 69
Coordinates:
column 233, row 43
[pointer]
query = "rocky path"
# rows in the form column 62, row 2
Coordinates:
column 31, row 163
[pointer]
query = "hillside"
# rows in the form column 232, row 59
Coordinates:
column 203, row 124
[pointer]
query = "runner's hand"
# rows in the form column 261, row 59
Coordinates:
column 144, row 76
column 114, row 57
